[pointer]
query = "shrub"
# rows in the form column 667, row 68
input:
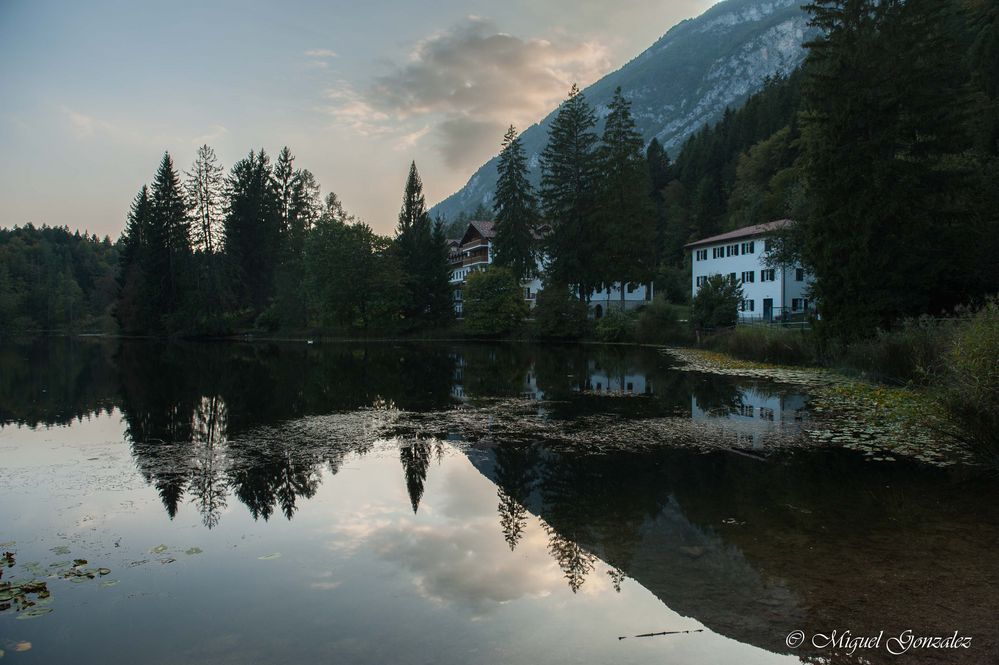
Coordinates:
column 769, row 344
column 494, row 303
column 913, row 352
column 716, row 304
column 970, row 390
column 616, row 326
column 558, row 314
column 659, row 323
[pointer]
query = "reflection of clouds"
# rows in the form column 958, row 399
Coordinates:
column 454, row 551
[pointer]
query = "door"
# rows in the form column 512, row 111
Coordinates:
column 768, row 309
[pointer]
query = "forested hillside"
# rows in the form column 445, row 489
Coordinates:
column 52, row 279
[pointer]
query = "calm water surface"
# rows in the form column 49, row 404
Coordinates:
column 441, row 503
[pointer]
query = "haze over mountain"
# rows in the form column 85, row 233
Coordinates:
column 685, row 80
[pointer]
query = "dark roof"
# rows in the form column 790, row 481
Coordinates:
column 485, row 229
column 746, row 232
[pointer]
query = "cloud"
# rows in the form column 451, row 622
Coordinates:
column 84, row 126
column 321, row 53
column 468, row 83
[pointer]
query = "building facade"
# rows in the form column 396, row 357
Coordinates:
column 769, row 293
column 474, row 252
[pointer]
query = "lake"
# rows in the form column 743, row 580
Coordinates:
column 460, row 503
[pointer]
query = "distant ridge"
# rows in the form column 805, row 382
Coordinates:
column 684, row 81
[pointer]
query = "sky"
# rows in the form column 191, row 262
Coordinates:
column 94, row 92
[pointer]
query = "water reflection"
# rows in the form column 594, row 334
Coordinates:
column 750, row 546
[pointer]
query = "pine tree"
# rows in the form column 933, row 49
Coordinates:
column 883, row 134
column 204, row 188
column 169, row 246
column 253, row 230
column 626, row 215
column 659, row 178
column 133, row 310
column 423, row 254
column 568, row 182
column 516, row 210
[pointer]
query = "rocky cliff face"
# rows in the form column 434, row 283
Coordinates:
column 682, row 82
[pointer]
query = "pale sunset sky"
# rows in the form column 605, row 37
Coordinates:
column 94, row 92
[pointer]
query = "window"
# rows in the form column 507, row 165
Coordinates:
column 768, row 245
column 631, row 287
column 767, row 275
column 749, row 247
column 701, row 280
column 766, row 413
column 718, row 253
column 732, row 250
column 732, row 277
column 799, row 274
column 527, row 293
column 702, row 255
column 748, row 277
column 747, row 306
column 799, row 304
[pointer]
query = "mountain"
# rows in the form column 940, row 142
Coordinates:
column 682, row 82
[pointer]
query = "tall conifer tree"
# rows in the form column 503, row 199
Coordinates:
column 625, row 208
column 568, row 181
column 516, row 210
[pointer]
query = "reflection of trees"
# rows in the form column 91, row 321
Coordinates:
column 209, row 480
column 54, row 381
column 415, row 462
column 575, row 562
column 516, row 475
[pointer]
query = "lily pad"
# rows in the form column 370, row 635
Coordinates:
column 34, row 612
column 79, row 562
column 159, row 549
column 6, row 595
column 103, row 571
column 107, row 583
column 270, row 557
column 61, row 549
column 193, row 550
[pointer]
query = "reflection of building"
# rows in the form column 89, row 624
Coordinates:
column 474, row 252
column 768, row 293
column 629, row 381
column 752, row 414
column 458, row 377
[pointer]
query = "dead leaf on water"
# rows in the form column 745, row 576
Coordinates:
column 34, row 612
column 269, row 557
column 159, row 549
column 22, row 646
column 193, row 550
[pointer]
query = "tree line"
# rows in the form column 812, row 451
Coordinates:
column 259, row 247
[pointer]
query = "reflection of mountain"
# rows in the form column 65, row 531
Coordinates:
column 756, row 549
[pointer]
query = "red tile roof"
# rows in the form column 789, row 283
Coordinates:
column 746, row 232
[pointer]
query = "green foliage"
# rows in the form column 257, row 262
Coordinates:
column 913, row 352
column 516, row 210
column 971, row 380
column 616, row 326
column 494, row 303
column 558, row 315
column 716, row 304
column 353, row 276
column 626, row 215
column 569, row 174
column 253, row 230
column 768, row 344
column 54, row 280
column 673, row 282
column 659, row 323
column 892, row 227
column 423, row 256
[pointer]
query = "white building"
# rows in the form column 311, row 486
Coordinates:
column 769, row 293
column 474, row 251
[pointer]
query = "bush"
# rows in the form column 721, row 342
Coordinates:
column 913, row 352
column 970, row 390
column 494, row 303
column 769, row 344
column 559, row 315
column 269, row 319
column 716, row 304
column 616, row 326
column 659, row 323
